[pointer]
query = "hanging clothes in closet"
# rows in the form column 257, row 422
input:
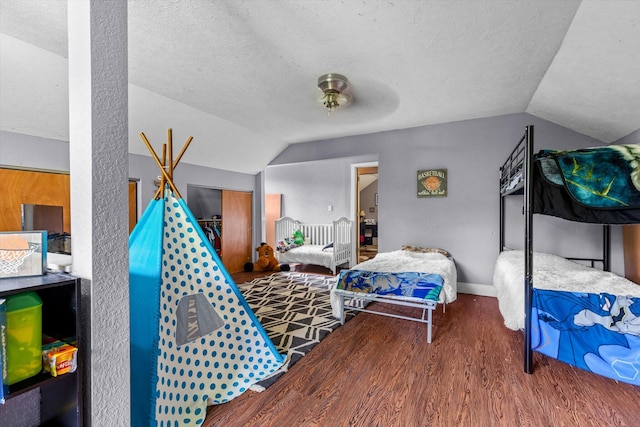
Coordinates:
column 213, row 231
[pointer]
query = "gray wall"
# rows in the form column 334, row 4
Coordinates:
column 204, row 202
column 632, row 138
column 466, row 221
column 309, row 188
column 32, row 152
column 368, row 199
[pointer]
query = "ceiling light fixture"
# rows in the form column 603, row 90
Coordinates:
column 333, row 87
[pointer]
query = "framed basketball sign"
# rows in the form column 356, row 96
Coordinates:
column 432, row 183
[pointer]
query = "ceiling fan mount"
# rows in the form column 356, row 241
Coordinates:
column 334, row 88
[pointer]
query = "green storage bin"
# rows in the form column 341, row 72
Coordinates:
column 24, row 336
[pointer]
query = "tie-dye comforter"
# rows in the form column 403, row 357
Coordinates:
column 596, row 185
column 423, row 286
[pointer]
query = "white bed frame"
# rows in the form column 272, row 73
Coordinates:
column 399, row 261
column 340, row 233
column 427, row 307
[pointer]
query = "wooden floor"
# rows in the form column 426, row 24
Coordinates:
column 380, row 371
column 367, row 252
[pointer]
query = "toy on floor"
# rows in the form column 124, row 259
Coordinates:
column 266, row 261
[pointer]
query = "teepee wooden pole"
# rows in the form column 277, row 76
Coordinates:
column 175, row 163
column 170, row 143
column 184, row 148
column 160, row 165
column 164, row 166
column 163, row 181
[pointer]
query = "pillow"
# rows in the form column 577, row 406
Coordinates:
column 286, row 245
column 425, row 250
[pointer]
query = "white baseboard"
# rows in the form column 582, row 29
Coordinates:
column 476, row 289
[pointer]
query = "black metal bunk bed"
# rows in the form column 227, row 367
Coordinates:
column 523, row 174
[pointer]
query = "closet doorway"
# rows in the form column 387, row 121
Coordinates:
column 133, row 203
column 631, row 248
column 225, row 217
column 367, row 212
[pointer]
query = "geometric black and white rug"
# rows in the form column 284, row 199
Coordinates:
column 295, row 311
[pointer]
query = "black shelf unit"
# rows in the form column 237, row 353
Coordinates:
column 369, row 232
column 61, row 396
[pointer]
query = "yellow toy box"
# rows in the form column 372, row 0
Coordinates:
column 59, row 358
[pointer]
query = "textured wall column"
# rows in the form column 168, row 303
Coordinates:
column 98, row 133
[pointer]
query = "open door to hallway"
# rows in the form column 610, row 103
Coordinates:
column 367, row 212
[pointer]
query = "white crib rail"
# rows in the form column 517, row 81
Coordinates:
column 317, row 234
column 285, row 227
column 342, row 237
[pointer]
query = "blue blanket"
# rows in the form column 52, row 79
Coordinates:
column 596, row 332
column 424, row 286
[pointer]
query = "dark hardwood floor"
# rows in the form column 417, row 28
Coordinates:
column 380, row 371
column 367, row 252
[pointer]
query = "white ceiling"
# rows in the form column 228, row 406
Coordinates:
column 240, row 76
column 367, row 179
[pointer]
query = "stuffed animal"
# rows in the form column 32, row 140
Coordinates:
column 298, row 237
column 266, row 261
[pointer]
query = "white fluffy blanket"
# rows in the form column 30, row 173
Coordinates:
column 307, row 254
column 549, row 272
column 416, row 262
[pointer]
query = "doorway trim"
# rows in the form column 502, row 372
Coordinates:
column 354, row 203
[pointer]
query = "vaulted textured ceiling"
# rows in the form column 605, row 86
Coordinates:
column 240, row 76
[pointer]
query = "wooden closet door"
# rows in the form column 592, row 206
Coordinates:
column 236, row 230
column 631, row 243
column 32, row 187
column 133, row 205
column 272, row 204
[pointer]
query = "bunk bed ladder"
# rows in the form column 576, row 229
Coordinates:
column 509, row 171
column 606, row 247
column 528, row 245
column 502, row 238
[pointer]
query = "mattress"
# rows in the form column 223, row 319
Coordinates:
column 550, row 272
column 307, row 254
column 406, row 261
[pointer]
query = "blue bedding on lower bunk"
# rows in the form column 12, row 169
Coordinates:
column 424, row 286
column 596, row 332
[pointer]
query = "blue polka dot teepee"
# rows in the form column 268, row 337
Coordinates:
column 194, row 339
